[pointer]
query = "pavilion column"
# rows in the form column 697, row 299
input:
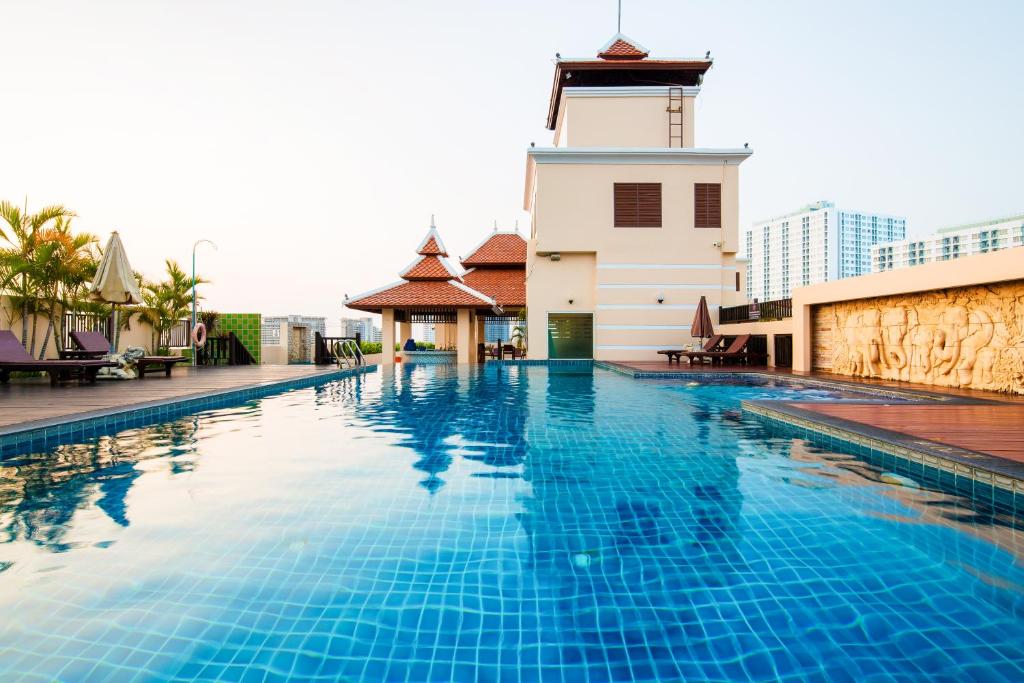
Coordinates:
column 404, row 332
column 464, row 336
column 387, row 336
column 481, row 331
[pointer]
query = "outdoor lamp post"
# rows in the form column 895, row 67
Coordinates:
column 194, row 349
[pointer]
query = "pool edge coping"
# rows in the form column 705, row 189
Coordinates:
column 63, row 429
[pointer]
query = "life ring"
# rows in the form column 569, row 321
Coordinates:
column 199, row 335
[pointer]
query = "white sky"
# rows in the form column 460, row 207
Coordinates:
column 312, row 140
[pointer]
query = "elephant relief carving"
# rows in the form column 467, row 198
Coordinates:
column 894, row 353
column 863, row 336
column 965, row 337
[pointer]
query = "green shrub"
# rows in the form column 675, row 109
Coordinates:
column 370, row 347
column 424, row 346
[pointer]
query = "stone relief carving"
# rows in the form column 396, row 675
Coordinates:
column 965, row 337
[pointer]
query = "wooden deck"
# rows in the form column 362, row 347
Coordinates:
column 993, row 429
column 25, row 403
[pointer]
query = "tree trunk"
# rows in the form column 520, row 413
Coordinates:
column 24, row 323
column 35, row 327
column 46, row 339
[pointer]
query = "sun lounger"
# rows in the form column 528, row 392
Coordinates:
column 14, row 358
column 94, row 344
column 711, row 344
column 737, row 352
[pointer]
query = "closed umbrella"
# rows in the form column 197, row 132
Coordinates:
column 701, row 326
column 115, row 282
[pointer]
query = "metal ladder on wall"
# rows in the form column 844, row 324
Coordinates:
column 675, row 116
column 347, row 354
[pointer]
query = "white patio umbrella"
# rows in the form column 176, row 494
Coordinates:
column 115, row 282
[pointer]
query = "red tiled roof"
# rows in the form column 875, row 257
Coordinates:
column 427, row 268
column 420, row 293
column 500, row 249
column 507, row 286
column 432, row 248
column 622, row 49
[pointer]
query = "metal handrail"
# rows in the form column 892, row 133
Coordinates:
column 346, row 351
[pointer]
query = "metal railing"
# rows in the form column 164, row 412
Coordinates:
column 324, row 347
column 179, row 335
column 85, row 322
column 224, row 350
column 778, row 309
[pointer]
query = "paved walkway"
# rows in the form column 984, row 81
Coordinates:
column 23, row 402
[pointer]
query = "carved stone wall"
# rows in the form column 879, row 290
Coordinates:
column 965, row 337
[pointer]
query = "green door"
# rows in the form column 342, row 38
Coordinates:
column 571, row 335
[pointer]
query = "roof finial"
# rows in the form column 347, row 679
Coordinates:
column 495, row 225
column 432, row 221
column 618, row 28
column 517, row 225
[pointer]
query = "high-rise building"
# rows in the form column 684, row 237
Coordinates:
column 950, row 243
column 818, row 243
column 364, row 326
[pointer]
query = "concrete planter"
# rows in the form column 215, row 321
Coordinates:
column 430, row 357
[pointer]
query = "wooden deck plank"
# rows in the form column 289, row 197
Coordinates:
column 993, row 429
column 31, row 400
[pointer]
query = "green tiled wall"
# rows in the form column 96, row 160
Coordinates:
column 246, row 327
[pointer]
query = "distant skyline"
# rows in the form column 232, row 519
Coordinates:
column 312, row 141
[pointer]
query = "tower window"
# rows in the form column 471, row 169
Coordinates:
column 707, row 205
column 637, row 205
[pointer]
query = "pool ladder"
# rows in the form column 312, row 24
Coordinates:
column 347, row 354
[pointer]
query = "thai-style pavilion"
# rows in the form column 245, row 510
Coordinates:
column 491, row 283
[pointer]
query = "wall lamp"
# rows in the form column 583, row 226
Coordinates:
column 570, row 301
column 661, row 298
column 555, row 256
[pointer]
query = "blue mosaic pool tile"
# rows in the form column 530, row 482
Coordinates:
column 510, row 523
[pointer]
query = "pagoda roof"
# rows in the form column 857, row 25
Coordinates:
column 430, row 267
column 507, row 286
column 424, row 294
column 499, row 249
column 431, row 282
column 432, row 244
column 623, row 47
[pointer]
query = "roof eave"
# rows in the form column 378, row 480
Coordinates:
column 596, row 64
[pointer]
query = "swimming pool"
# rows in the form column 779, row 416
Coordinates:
column 517, row 523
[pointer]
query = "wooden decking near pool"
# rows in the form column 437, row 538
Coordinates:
column 993, row 429
column 980, row 421
column 28, row 403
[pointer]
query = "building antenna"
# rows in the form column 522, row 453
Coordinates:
column 618, row 28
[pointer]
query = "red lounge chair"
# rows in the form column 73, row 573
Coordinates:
column 711, row 344
column 94, row 345
column 736, row 352
column 14, row 358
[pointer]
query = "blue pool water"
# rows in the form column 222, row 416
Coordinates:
column 509, row 524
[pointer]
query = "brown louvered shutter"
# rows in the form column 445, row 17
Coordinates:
column 637, row 205
column 707, row 205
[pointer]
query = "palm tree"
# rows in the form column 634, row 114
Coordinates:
column 64, row 264
column 22, row 233
column 167, row 302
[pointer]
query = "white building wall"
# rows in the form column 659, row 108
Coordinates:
column 817, row 244
column 950, row 243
